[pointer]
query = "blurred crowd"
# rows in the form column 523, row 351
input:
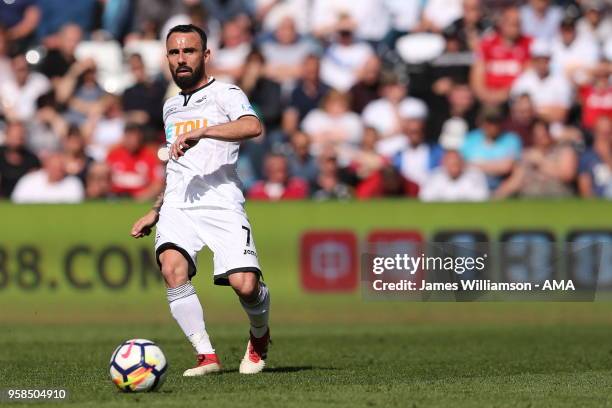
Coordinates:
column 440, row 100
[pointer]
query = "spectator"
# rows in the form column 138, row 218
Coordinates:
column 345, row 57
column 144, row 100
column 595, row 22
column 550, row 93
column 15, row 159
column 500, row 59
column 453, row 134
column 278, row 184
column 47, row 128
column 540, row 19
column 231, row 56
column 286, row 52
column 226, row 10
column 21, row 19
column 439, row 14
column 595, row 171
column 80, row 91
column 306, row 96
column 366, row 89
column 370, row 18
column 272, row 12
column 573, row 56
column 334, row 124
column 49, row 185
column 405, row 18
column 416, row 160
column 384, row 114
column 191, row 12
column 329, row 186
column 19, row 96
column 60, row 60
column 58, row 13
column 471, row 26
column 135, row 168
column 521, row 118
column 547, row 169
column 104, row 127
column 458, row 103
column 367, row 160
column 291, row 88
column 490, row 148
column 263, row 93
column 454, row 181
column 6, row 72
column 98, row 185
column 301, row 163
column 596, row 97
column 76, row 161
column 452, row 66
column 386, row 182
column 117, row 17
column 412, row 115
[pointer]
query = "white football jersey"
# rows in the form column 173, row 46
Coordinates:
column 206, row 174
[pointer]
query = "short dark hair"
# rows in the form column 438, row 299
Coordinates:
column 189, row 28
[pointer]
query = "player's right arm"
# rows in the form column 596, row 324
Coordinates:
column 142, row 227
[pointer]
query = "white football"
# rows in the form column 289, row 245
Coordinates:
column 138, row 365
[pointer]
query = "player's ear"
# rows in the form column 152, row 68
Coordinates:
column 206, row 55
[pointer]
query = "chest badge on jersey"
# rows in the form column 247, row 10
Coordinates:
column 200, row 101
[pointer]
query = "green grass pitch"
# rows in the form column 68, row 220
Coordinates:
column 314, row 365
column 329, row 350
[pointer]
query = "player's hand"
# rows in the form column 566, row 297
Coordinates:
column 142, row 227
column 184, row 142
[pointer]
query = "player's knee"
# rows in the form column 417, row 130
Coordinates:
column 245, row 285
column 173, row 274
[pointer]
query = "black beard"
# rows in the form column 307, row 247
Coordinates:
column 187, row 82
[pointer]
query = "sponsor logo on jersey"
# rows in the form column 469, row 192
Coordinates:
column 172, row 130
column 249, row 252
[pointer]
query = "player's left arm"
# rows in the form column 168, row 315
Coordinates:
column 245, row 127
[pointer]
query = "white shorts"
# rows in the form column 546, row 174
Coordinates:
column 226, row 232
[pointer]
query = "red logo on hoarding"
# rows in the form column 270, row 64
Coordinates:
column 328, row 261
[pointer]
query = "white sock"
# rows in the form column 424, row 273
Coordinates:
column 259, row 311
column 187, row 311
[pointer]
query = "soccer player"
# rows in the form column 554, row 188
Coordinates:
column 203, row 204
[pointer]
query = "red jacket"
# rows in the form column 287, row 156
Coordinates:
column 503, row 62
column 133, row 173
column 373, row 187
column 294, row 189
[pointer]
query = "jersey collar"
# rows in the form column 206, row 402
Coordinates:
column 210, row 81
column 188, row 95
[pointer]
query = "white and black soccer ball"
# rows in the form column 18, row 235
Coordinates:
column 138, row 365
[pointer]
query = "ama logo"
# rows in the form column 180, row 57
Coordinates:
column 172, row 130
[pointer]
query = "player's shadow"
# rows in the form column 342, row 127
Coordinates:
column 288, row 369
column 195, row 189
column 294, row 369
column 200, row 184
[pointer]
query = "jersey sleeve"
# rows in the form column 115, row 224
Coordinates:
column 235, row 104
